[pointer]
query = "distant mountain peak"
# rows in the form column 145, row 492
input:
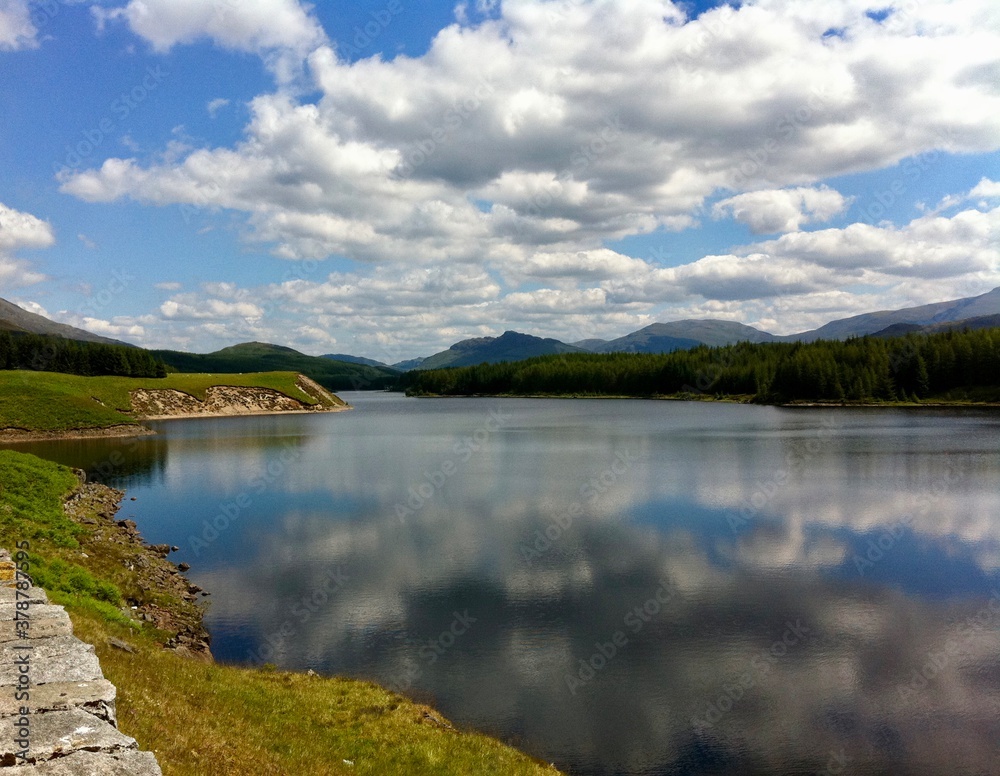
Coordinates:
column 509, row 346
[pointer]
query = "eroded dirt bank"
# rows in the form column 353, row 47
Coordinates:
column 226, row 400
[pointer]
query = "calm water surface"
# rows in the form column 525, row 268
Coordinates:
column 619, row 587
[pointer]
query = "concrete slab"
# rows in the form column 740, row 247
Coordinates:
column 59, row 733
column 49, row 623
column 55, row 659
column 129, row 763
column 97, row 697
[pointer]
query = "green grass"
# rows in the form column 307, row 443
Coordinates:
column 31, row 496
column 223, row 719
column 49, row 401
column 229, row 720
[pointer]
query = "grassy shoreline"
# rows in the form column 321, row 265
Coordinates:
column 198, row 716
column 48, row 405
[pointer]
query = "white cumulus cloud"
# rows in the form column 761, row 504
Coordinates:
column 782, row 210
column 242, row 25
column 21, row 230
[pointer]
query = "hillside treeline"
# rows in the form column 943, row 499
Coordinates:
column 863, row 369
column 90, row 359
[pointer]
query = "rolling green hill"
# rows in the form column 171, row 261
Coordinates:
column 54, row 402
column 263, row 357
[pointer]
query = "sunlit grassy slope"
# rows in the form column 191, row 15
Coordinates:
column 48, row 401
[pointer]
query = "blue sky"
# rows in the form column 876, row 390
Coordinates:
column 385, row 178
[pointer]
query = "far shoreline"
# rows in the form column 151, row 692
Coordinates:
column 957, row 404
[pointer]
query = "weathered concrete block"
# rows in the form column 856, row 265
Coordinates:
column 97, row 697
column 33, row 595
column 9, row 610
column 127, row 763
column 59, row 733
column 55, row 659
column 43, row 628
column 43, row 621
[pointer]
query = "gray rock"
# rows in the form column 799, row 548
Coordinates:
column 55, row 659
column 8, row 611
column 47, row 627
column 127, row 763
column 43, row 621
column 97, row 697
column 59, row 733
column 33, row 595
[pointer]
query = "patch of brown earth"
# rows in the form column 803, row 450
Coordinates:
column 221, row 400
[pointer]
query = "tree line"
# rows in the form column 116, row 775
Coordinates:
column 40, row 353
column 861, row 369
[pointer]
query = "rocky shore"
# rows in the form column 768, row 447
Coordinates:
column 158, row 593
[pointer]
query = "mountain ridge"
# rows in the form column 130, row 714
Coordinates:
column 496, row 349
column 16, row 319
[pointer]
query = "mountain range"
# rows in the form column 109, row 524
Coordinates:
column 343, row 371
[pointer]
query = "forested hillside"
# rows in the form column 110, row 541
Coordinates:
column 41, row 353
column 956, row 365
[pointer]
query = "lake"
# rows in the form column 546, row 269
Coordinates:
column 618, row 587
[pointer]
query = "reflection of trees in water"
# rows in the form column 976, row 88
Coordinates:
column 134, row 462
column 118, row 462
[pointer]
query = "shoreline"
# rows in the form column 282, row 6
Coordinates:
column 957, row 404
column 181, row 633
column 255, row 413
column 13, row 436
